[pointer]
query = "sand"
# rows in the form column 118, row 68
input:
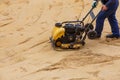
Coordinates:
column 26, row 52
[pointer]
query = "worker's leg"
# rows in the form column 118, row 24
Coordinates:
column 100, row 22
column 114, row 24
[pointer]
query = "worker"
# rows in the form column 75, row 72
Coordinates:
column 109, row 8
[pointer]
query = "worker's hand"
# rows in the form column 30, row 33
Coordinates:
column 104, row 8
column 94, row 4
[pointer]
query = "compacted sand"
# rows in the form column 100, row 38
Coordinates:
column 26, row 52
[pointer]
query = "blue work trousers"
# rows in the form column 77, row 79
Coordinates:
column 110, row 14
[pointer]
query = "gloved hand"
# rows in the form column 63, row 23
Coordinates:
column 94, row 4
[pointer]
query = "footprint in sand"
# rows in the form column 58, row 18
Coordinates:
column 113, row 42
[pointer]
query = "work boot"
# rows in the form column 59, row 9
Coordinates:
column 112, row 36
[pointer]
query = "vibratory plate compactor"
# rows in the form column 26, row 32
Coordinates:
column 72, row 34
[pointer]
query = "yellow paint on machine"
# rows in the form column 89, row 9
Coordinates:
column 58, row 32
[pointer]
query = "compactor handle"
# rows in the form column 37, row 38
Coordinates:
column 88, row 14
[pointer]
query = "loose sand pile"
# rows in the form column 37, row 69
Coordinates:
column 26, row 52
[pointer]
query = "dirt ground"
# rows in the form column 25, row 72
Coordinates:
column 26, row 52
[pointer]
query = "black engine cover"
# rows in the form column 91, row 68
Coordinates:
column 69, row 28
